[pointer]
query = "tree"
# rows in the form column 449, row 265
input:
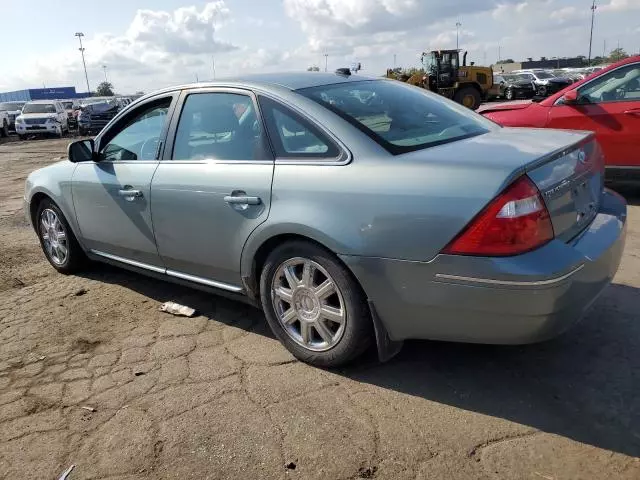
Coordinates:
column 313, row 68
column 105, row 89
column 508, row 60
column 618, row 54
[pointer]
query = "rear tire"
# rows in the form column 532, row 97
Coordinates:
column 469, row 97
column 4, row 131
column 327, row 329
column 57, row 240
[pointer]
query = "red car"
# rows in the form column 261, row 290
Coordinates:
column 607, row 103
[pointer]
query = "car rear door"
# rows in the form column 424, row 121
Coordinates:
column 213, row 187
column 609, row 105
column 112, row 196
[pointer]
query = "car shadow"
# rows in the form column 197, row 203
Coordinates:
column 583, row 385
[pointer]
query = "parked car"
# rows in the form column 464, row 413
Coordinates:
column 517, row 86
column 351, row 222
column 42, row 117
column 4, row 124
column 12, row 110
column 94, row 116
column 72, row 108
column 607, row 103
column 546, row 83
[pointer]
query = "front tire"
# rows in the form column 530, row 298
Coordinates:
column 509, row 94
column 57, row 240
column 314, row 306
column 469, row 97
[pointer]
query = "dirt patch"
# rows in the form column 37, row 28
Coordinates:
column 93, row 374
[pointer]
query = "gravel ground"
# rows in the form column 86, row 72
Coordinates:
column 217, row 397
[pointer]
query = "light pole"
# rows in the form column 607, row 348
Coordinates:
column 104, row 69
column 458, row 25
column 394, row 61
column 86, row 77
column 593, row 14
column 326, row 61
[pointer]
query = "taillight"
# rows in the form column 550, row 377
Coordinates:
column 516, row 221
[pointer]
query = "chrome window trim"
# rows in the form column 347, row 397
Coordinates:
column 345, row 156
column 510, row 283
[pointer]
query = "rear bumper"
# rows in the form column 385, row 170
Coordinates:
column 508, row 300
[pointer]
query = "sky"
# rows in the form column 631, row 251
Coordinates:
column 150, row 44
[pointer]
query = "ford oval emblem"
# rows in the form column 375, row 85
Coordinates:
column 582, row 157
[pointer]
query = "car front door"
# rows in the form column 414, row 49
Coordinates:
column 610, row 106
column 112, row 195
column 213, row 188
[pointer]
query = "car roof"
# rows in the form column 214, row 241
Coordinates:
column 43, row 101
column 288, row 80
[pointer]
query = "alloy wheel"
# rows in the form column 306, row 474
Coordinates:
column 308, row 304
column 54, row 236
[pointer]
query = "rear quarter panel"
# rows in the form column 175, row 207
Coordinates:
column 406, row 207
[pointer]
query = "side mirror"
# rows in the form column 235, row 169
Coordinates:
column 570, row 98
column 82, row 151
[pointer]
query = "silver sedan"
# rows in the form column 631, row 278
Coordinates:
column 354, row 211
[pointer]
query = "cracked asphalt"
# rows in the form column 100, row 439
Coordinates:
column 93, row 374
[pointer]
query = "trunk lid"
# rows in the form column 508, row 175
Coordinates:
column 566, row 166
column 571, row 183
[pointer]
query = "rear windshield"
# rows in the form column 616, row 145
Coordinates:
column 67, row 105
column 399, row 117
column 39, row 108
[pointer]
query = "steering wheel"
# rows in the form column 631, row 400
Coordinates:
column 149, row 149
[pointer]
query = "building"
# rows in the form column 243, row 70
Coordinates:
column 544, row 63
column 39, row 94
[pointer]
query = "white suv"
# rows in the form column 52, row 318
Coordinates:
column 42, row 116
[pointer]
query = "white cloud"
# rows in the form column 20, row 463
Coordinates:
column 157, row 46
column 620, row 5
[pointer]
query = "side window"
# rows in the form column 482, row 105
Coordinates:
column 221, row 126
column 620, row 85
column 292, row 136
column 139, row 137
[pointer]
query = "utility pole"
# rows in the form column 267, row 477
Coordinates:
column 86, row 77
column 604, row 50
column 499, row 53
column 394, row 61
column 104, row 69
column 458, row 25
column 593, row 15
column 213, row 66
column 326, row 61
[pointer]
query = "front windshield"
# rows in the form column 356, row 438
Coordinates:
column 544, row 75
column 67, row 105
column 39, row 108
column 428, row 61
column 10, row 106
column 401, row 118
